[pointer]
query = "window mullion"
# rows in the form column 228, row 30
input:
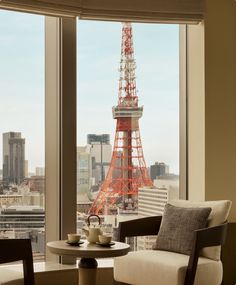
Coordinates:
column 60, row 69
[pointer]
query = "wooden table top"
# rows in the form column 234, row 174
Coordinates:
column 88, row 250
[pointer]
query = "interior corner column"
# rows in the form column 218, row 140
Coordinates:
column 60, row 101
column 196, row 111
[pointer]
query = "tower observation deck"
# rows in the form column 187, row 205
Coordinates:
column 127, row 171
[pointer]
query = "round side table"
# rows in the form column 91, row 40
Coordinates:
column 88, row 253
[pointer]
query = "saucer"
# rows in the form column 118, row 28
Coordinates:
column 74, row 243
column 106, row 244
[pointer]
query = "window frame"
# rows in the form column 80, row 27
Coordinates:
column 61, row 138
column 60, row 124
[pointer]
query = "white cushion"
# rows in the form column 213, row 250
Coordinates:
column 156, row 267
column 11, row 277
column 219, row 214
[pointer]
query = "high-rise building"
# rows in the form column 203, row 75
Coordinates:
column 37, row 184
column 40, row 171
column 158, row 169
column 169, row 181
column 9, row 200
column 92, row 166
column 100, row 151
column 151, row 202
column 13, row 158
column 103, row 138
column 83, row 174
column 26, row 168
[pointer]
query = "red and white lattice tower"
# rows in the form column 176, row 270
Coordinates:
column 127, row 171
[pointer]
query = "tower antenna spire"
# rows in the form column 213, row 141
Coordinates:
column 127, row 171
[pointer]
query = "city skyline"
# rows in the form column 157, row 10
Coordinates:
column 22, row 84
column 41, row 168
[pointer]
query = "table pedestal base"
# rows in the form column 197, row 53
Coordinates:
column 87, row 271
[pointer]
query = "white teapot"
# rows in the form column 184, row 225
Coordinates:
column 93, row 231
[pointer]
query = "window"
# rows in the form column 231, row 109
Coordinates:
column 113, row 156
column 60, row 217
column 22, row 178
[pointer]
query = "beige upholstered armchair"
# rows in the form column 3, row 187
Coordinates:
column 161, row 267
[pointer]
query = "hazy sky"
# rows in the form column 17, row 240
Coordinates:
column 22, row 83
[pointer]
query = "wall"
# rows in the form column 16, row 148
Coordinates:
column 211, row 71
column 220, row 101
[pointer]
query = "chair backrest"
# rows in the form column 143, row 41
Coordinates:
column 18, row 249
column 218, row 215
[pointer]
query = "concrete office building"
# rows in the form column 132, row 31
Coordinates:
column 151, row 202
column 24, row 222
column 13, row 158
column 37, row 184
column 22, row 218
column 100, row 155
column 26, row 168
column 92, row 166
column 9, row 200
column 40, row 171
column 83, row 173
column 104, row 138
column 100, row 159
column 170, row 182
column 158, row 169
column 34, row 199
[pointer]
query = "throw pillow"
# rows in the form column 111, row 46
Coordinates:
column 177, row 228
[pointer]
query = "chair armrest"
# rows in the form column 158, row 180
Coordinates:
column 206, row 237
column 139, row 227
column 212, row 236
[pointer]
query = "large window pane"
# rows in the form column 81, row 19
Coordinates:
column 128, row 120
column 22, row 176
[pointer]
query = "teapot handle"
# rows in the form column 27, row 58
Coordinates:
column 93, row 215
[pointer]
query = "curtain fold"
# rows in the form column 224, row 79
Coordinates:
column 179, row 11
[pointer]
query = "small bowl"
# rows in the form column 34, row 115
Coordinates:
column 74, row 238
column 104, row 239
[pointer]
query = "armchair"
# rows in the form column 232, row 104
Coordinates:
column 14, row 250
column 159, row 267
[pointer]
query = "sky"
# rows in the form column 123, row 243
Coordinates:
column 156, row 51
column 22, row 82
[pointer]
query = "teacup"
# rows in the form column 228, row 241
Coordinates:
column 104, row 239
column 74, row 237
